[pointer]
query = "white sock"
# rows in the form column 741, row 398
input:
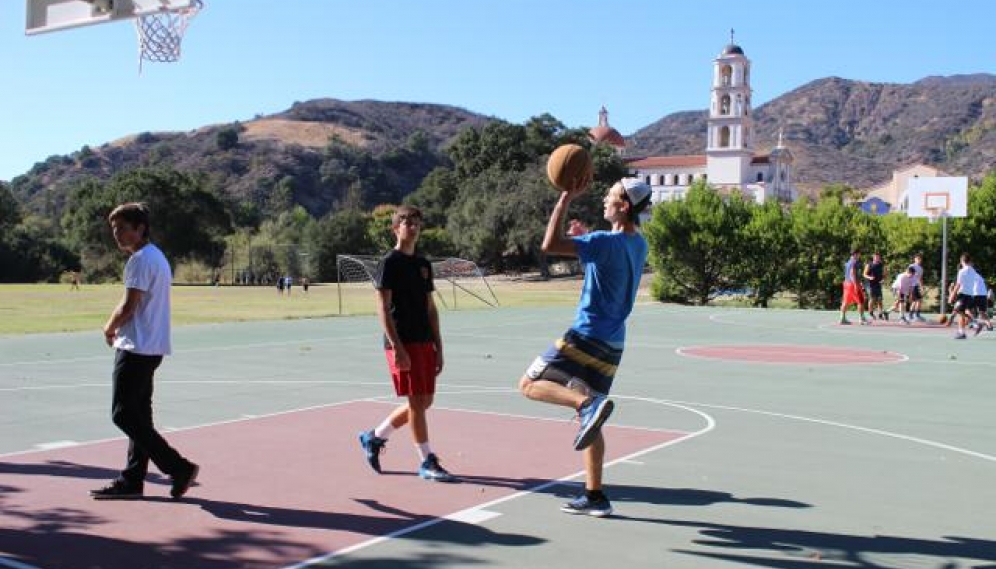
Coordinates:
column 384, row 429
column 423, row 450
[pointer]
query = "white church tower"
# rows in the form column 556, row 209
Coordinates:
column 730, row 142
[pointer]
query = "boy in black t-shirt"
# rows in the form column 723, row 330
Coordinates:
column 412, row 343
column 874, row 275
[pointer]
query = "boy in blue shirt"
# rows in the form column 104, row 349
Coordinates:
column 577, row 371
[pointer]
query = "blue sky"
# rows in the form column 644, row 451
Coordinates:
column 512, row 59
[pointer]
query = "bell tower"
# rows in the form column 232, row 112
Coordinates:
column 730, row 140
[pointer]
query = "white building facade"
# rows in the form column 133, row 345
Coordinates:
column 730, row 162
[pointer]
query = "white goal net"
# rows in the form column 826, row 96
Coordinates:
column 459, row 283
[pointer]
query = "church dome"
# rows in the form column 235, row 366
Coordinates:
column 605, row 133
column 733, row 49
column 608, row 135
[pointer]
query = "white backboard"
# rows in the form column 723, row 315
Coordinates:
column 950, row 195
column 51, row 15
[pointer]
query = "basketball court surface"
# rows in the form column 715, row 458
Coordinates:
column 741, row 438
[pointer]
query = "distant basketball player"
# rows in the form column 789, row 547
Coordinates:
column 963, row 295
column 874, row 275
column 853, row 293
column 917, row 293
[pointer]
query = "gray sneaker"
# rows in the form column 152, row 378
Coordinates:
column 599, row 508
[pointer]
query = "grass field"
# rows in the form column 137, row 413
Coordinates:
column 38, row 308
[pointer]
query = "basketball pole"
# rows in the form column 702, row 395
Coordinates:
column 944, row 262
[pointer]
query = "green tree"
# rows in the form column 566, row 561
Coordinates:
column 767, row 265
column 694, row 243
column 10, row 210
column 499, row 218
column 341, row 233
column 227, row 138
column 825, row 234
column 188, row 220
column 435, row 195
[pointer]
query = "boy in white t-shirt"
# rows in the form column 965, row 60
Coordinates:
column 963, row 295
column 139, row 329
column 902, row 290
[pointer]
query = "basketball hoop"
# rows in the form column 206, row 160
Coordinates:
column 160, row 33
column 934, row 213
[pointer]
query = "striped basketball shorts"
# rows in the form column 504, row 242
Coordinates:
column 577, row 361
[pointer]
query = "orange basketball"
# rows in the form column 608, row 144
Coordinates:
column 569, row 168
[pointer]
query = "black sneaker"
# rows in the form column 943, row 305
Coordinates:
column 372, row 445
column 183, row 483
column 430, row 469
column 117, row 490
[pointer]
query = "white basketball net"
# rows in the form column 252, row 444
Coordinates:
column 160, row 34
column 934, row 213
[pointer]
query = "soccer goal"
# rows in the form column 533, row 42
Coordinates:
column 466, row 283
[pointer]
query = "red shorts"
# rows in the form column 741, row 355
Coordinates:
column 853, row 294
column 420, row 379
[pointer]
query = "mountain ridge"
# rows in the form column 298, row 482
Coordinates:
column 324, row 151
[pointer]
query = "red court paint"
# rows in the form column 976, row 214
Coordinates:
column 784, row 354
column 277, row 490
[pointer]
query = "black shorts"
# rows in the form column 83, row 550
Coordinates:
column 917, row 294
column 981, row 303
column 965, row 303
column 875, row 291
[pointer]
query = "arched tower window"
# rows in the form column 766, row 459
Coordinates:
column 724, row 137
column 647, row 180
column 674, row 180
column 724, row 105
column 760, row 176
column 726, row 74
column 688, row 179
column 660, row 180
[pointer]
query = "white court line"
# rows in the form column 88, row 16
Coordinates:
column 681, row 351
column 386, row 399
column 475, row 517
column 710, row 424
column 55, row 445
column 108, row 356
column 890, row 434
column 548, row 419
column 203, row 382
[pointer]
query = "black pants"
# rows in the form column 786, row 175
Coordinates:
column 131, row 411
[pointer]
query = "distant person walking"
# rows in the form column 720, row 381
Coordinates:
column 412, row 344
column 853, row 292
column 139, row 329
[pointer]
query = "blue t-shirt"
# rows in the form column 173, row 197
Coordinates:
column 613, row 263
column 849, row 270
